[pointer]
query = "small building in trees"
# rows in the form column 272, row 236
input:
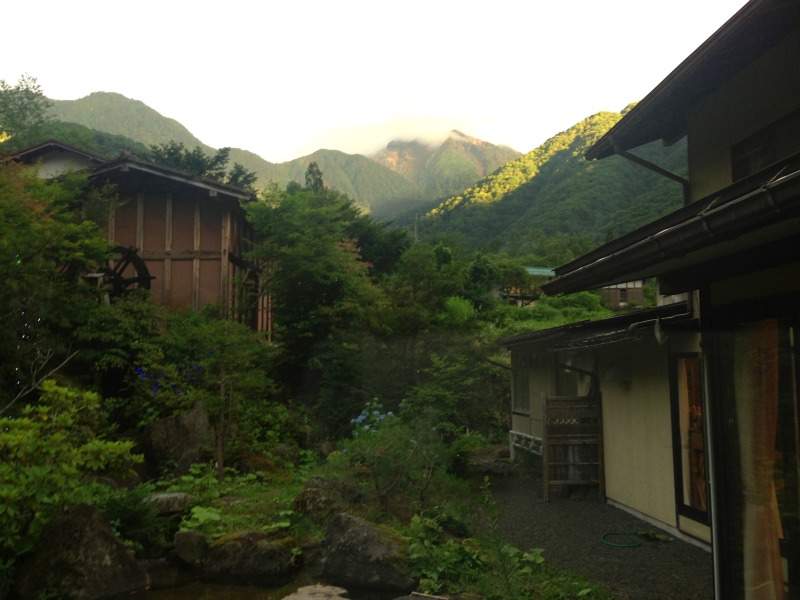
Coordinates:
column 184, row 237
column 526, row 295
column 733, row 252
column 622, row 295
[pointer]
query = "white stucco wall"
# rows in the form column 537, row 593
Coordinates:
column 53, row 164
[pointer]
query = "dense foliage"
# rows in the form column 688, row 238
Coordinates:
column 199, row 164
column 23, row 106
column 553, row 191
column 44, row 246
column 47, row 452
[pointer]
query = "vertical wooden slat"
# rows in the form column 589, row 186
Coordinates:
column 112, row 226
column 196, row 260
column 225, row 300
column 140, row 221
column 168, row 251
column 572, row 452
column 545, row 453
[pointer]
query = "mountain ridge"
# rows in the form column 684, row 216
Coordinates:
column 372, row 183
column 545, row 205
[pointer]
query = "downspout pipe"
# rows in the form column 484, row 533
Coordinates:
column 687, row 190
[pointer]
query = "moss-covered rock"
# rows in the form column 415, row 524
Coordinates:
column 359, row 554
column 79, row 557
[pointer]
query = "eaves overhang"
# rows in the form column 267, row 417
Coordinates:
column 214, row 188
column 603, row 331
column 30, row 154
column 731, row 221
column 662, row 114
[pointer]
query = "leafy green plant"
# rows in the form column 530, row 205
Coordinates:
column 397, row 456
column 513, row 574
column 441, row 563
column 48, row 457
column 204, row 519
column 137, row 522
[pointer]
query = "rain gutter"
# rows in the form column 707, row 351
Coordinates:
column 763, row 206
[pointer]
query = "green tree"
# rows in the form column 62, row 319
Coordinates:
column 321, row 292
column 196, row 162
column 314, row 180
column 222, row 364
column 241, row 177
column 45, row 248
column 117, row 340
column 379, row 245
column 23, row 106
column 48, row 455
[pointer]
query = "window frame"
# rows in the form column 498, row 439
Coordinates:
column 683, row 505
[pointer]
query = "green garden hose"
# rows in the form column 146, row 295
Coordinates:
column 632, row 542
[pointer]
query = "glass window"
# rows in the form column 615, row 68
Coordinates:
column 690, row 456
column 758, row 500
column 521, row 387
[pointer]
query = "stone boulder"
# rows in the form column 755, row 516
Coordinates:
column 79, row 557
column 322, row 498
column 191, row 547
column 318, row 592
column 180, row 440
column 172, row 503
column 249, row 558
column 360, row 555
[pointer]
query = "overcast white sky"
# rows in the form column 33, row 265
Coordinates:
column 283, row 78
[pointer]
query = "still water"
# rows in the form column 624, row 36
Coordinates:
column 204, row 591
column 207, row 591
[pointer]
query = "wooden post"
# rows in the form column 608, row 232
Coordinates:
column 167, row 281
column 140, row 221
column 225, row 288
column 545, row 452
column 196, row 259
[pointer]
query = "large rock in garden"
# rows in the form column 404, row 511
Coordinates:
column 318, row 592
column 357, row 554
column 191, row 547
column 180, row 440
column 79, row 557
column 172, row 503
column 322, row 498
column 249, row 558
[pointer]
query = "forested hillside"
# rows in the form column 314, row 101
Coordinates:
column 381, row 185
column 378, row 190
column 116, row 114
column 545, row 206
column 552, row 193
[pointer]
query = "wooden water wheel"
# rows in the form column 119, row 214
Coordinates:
column 126, row 271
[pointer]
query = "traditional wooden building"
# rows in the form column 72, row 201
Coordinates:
column 733, row 253
column 184, row 237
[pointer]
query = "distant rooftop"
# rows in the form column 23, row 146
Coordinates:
column 540, row 272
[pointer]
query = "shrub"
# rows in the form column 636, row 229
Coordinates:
column 48, row 457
